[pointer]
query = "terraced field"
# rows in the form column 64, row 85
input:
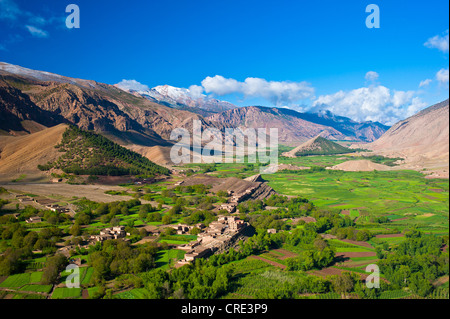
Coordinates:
column 405, row 197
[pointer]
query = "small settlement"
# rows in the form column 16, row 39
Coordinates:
column 219, row 235
column 45, row 203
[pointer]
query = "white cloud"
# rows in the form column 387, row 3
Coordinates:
column 442, row 76
column 278, row 93
column 132, row 85
column 372, row 76
column 221, row 86
column 9, row 10
column 36, row 32
column 425, row 82
column 195, row 91
column 439, row 42
column 375, row 103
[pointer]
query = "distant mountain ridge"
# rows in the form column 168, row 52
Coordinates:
column 32, row 100
column 295, row 126
column 183, row 99
column 47, row 99
column 344, row 128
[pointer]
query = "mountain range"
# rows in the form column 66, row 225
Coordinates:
column 182, row 99
column 32, row 99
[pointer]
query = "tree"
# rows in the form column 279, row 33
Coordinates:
column 53, row 268
column 124, row 210
column 75, row 230
column 343, row 283
column 114, row 221
column 320, row 244
column 420, row 285
column 10, row 262
column 195, row 231
column 166, row 219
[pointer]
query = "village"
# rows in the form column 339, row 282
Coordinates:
column 44, row 203
column 219, row 235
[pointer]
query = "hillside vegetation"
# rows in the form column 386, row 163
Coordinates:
column 87, row 153
column 322, row 146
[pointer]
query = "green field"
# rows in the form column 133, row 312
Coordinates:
column 37, row 288
column 16, row 281
column 64, row 293
column 137, row 293
column 165, row 258
column 391, row 193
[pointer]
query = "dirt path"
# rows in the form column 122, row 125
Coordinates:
column 356, row 254
column 330, row 271
column 273, row 263
column 358, row 243
column 400, row 219
column 440, row 281
column 389, row 235
column 286, row 254
column 95, row 193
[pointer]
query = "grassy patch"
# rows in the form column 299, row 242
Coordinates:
column 66, row 293
column 37, row 288
column 15, row 281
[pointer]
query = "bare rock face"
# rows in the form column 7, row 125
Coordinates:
column 290, row 128
column 183, row 99
column 19, row 115
column 294, row 126
column 422, row 140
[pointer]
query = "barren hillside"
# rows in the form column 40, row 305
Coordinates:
column 21, row 155
column 422, row 140
column 360, row 166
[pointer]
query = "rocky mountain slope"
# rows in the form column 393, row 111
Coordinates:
column 366, row 131
column 294, row 126
column 422, row 140
column 183, row 99
column 48, row 99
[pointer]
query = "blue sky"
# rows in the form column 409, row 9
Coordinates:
column 304, row 54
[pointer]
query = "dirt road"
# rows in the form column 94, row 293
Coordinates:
column 93, row 192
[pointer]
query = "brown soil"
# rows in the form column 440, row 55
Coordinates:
column 353, row 264
column 273, row 263
column 360, row 166
column 21, row 155
column 359, row 243
column 389, row 235
column 286, row 254
column 400, row 219
column 157, row 154
column 440, row 281
column 422, row 140
column 356, row 254
column 85, row 294
column 330, row 271
column 93, row 192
